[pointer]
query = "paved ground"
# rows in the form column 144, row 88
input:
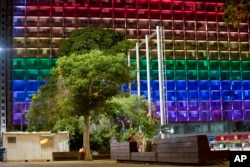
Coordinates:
column 95, row 163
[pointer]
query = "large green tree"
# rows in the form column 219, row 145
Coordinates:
column 91, row 79
column 51, row 109
column 84, row 40
column 236, row 11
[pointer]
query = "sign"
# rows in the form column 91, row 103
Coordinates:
column 239, row 158
column 211, row 138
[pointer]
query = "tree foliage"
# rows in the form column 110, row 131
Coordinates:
column 236, row 11
column 41, row 114
column 84, row 40
column 83, row 81
column 91, row 79
column 131, row 112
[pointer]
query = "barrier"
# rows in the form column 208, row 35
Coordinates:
column 187, row 149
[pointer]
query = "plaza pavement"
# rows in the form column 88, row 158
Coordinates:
column 97, row 163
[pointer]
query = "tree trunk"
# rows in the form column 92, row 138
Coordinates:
column 86, row 142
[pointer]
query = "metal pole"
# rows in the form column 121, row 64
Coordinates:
column 148, row 74
column 159, row 53
column 138, row 69
column 21, row 118
column 129, row 84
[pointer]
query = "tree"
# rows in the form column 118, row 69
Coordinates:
column 84, row 40
column 41, row 114
column 130, row 113
column 50, row 108
column 236, row 11
column 91, row 79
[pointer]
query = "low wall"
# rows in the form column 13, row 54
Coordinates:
column 188, row 149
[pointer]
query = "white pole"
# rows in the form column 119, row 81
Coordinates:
column 159, row 53
column 138, row 69
column 148, row 75
column 129, row 84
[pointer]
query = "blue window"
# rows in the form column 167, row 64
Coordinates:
column 192, row 85
column 215, row 95
column 180, row 85
column 171, row 95
column 204, row 85
column 226, row 95
column 170, row 85
column 236, row 85
column 204, row 95
column 225, row 85
column 237, row 95
column 192, row 95
column 155, row 85
column 246, row 85
column 181, row 95
column 18, row 85
column 215, row 85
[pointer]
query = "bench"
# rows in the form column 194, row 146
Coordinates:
column 186, row 149
column 67, row 156
column 75, row 155
column 128, row 151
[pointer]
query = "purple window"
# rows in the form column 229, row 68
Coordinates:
column 205, row 105
column 216, row 105
column 237, row 105
column 182, row 116
column 216, row 115
column 182, row 106
column 247, row 114
column 193, row 105
column 17, row 119
column 227, row 115
column 246, row 104
column 171, row 116
column 18, row 107
column 237, row 115
column 205, row 115
column 194, row 116
column 171, row 105
column 226, row 105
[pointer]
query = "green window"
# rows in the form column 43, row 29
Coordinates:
column 32, row 74
column 214, row 75
column 245, row 65
column 180, row 65
column 214, row 65
column 18, row 63
column 18, row 74
column 44, row 63
column 202, row 65
column 180, row 75
column 225, row 65
column 169, row 64
column 203, row 75
column 43, row 74
column 192, row 74
column 31, row 63
column 235, row 65
column 191, row 64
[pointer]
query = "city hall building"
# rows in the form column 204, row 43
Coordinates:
column 206, row 63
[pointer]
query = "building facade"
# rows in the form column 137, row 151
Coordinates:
column 206, row 64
